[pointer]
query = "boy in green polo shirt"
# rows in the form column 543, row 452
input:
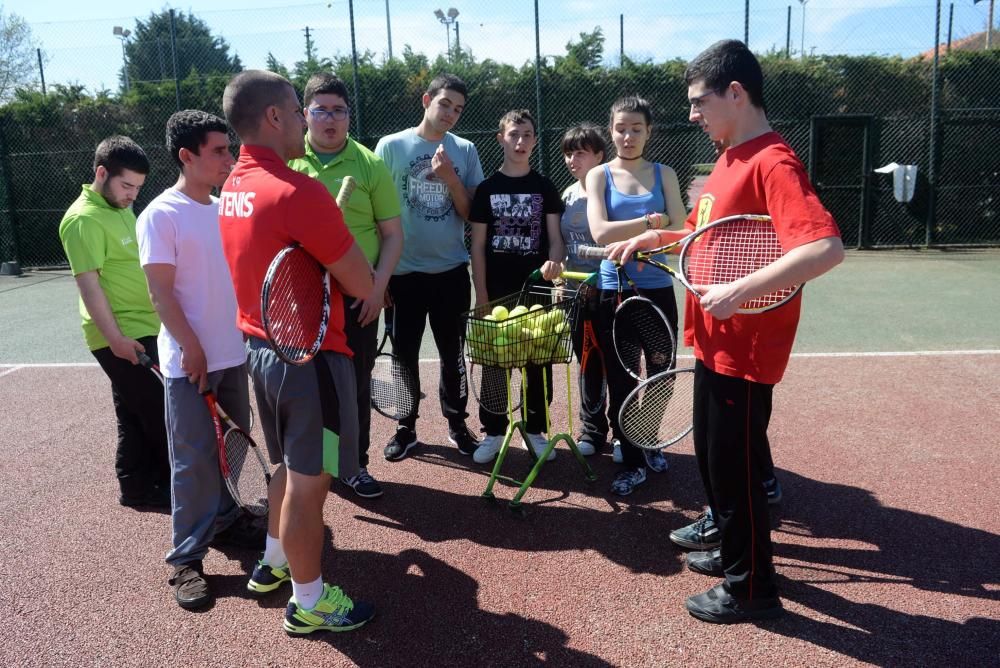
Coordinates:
column 372, row 216
column 98, row 236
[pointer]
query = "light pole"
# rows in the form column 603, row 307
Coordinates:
column 122, row 34
column 802, row 46
column 447, row 20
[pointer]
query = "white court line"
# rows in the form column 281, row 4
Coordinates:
column 10, row 368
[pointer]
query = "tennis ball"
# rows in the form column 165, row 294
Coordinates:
column 518, row 310
column 536, row 307
column 500, row 313
column 560, row 327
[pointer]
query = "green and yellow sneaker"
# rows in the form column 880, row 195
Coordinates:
column 333, row 612
column 266, row 579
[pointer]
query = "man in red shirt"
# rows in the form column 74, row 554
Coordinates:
column 308, row 413
column 740, row 357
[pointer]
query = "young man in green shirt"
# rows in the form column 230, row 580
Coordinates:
column 372, row 216
column 98, row 236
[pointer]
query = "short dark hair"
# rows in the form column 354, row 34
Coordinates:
column 516, row 117
column 117, row 153
column 189, row 129
column 725, row 62
column 324, row 83
column 248, row 95
column 585, row 136
column 632, row 104
column 447, row 82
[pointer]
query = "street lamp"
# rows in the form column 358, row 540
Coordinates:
column 803, row 44
column 447, row 20
column 122, row 34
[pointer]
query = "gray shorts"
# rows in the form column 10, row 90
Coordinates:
column 309, row 413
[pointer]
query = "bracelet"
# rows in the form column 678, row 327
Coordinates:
column 648, row 221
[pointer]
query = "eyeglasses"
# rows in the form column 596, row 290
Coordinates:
column 697, row 103
column 335, row 114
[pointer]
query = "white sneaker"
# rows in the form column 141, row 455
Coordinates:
column 655, row 460
column 616, row 453
column 488, row 449
column 586, row 448
column 538, row 443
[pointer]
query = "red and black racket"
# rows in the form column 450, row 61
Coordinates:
column 295, row 298
column 721, row 252
column 241, row 462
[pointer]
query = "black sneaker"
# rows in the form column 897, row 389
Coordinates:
column 404, row 441
column 364, row 485
column 702, row 534
column 773, row 489
column 247, row 531
column 461, row 436
column 720, row 607
column 155, row 497
column 706, row 563
column 190, row 588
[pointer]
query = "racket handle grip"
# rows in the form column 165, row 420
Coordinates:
column 592, row 252
column 144, row 359
column 536, row 275
column 346, row 188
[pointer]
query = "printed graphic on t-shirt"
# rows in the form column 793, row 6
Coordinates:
column 424, row 192
column 705, row 203
column 577, row 231
column 518, row 223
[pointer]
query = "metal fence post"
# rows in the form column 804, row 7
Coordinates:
column 354, row 68
column 932, row 150
column 10, row 243
column 173, row 55
column 538, row 96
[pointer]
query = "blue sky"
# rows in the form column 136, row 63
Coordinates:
column 77, row 37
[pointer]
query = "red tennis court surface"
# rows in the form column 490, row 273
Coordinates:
column 886, row 544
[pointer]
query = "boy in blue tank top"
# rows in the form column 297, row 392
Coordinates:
column 627, row 196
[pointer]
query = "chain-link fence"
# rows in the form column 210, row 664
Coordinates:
column 844, row 110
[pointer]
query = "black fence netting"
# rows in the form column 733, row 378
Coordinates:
column 845, row 111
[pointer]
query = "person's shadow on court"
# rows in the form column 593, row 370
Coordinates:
column 901, row 550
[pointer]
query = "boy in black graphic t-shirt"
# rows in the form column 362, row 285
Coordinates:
column 515, row 230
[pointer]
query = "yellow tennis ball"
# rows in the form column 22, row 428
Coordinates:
column 500, row 313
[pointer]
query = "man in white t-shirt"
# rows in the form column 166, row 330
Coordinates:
column 180, row 250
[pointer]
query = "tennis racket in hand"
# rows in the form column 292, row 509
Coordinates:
column 659, row 411
column 241, row 462
column 643, row 338
column 295, row 299
column 721, row 252
column 393, row 386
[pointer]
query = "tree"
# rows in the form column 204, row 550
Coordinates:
column 17, row 55
column 149, row 50
column 589, row 51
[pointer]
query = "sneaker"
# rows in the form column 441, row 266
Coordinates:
column 404, row 441
column 773, row 489
column 488, row 449
column 155, row 497
column 626, row 481
column 655, row 460
column 190, row 587
column 537, row 443
column 720, row 607
column 616, row 452
column 363, row 484
column 706, row 563
column 247, row 531
column 463, row 438
column 702, row 534
column 266, row 579
column 588, row 444
column 333, row 612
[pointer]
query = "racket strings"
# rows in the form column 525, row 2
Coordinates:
column 393, row 387
column 658, row 412
column 489, row 384
column 247, row 474
column 643, row 338
column 296, row 306
column 732, row 251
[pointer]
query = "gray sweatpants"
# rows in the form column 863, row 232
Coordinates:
column 201, row 503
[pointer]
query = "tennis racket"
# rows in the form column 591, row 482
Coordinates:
column 643, row 338
column 295, row 299
column 393, row 387
column 497, row 390
column 241, row 462
column 659, row 411
column 721, row 252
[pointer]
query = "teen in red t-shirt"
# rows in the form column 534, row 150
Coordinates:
column 741, row 357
